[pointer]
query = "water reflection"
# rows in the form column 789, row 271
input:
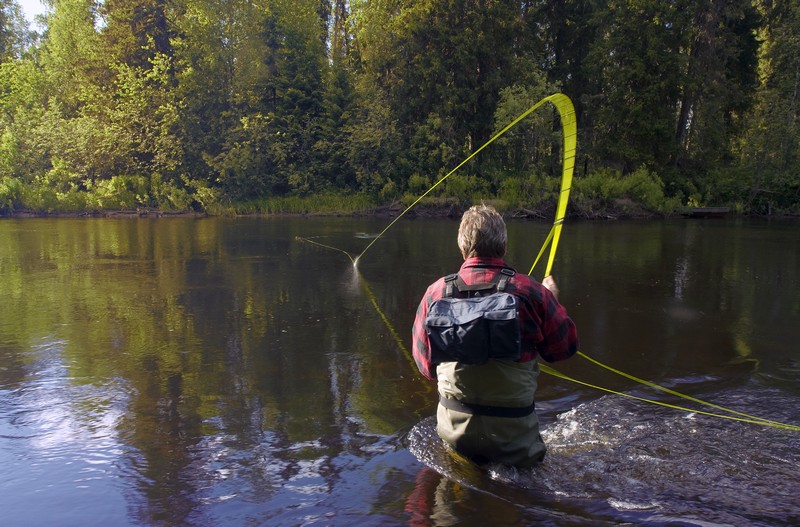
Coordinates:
column 221, row 372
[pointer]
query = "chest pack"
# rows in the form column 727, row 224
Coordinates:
column 473, row 323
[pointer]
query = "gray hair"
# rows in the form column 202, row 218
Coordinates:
column 482, row 233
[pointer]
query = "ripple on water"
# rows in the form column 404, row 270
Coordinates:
column 59, row 438
column 653, row 464
column 59, row 425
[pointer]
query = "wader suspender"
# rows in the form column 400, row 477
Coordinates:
column 500, row 281
column 454, row 281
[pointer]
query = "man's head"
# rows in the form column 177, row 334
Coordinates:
column 482, row 233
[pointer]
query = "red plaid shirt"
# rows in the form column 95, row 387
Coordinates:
column 546, row 329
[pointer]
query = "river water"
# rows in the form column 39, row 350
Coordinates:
column 241, row 372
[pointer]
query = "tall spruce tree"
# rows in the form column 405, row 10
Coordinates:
column 637, row 61
column 717, row 84
column 137, row 30
column 331, row 152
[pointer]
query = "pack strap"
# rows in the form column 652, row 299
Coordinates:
column 449, row 284
column 505, row 274
column 481, row 409
column 499, row 282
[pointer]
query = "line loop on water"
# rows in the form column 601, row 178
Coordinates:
column 309, row 240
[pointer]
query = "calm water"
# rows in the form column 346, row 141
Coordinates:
column 222, row 372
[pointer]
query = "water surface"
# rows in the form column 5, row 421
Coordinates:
column 202, row 372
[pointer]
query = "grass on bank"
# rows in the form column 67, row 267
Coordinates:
column 601, row 194
column 323, row 203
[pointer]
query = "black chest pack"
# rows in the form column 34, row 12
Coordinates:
column 474, row 323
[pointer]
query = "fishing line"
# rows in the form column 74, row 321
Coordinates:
column 541, row 251
column 371, row 297
column 684, row 396
column 569, row 130
column 746, row 418
column 750, row 419
column 395, row 335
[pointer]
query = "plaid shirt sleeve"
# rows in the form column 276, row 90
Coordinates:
column 420, row 344
column 547, row 330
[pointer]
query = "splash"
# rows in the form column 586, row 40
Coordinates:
column 658, row 467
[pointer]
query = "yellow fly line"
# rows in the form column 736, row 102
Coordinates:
column 748, row 419
column 318, row 244
column 567, row 112
column 569, row 130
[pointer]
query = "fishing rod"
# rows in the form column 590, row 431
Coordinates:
column 566, row 112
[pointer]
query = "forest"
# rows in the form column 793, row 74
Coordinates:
column 264, row 106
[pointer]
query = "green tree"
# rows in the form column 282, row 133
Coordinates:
column 15, row 37
column 637, row 59
column 255, row 127
column 563, row 33
column 144, row 116
column 71, row 56
column 675, row 80
column 441, row 66
column 768, row 149
column 219, row 69
column 375, row 144
column 270, row 97
column 526, row 148
column 64, row 87
column 137, row 30
column 339, row 101
column 301, row 66
column 718, row 83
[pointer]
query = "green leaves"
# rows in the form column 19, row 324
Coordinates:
column 241, row 100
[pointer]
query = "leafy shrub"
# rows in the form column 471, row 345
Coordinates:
column 40, row 198
column 120, row 193
column 418, row 184
column 466, row 188
column 208, row 198
column 532, row 191
column 11, row 195
column 169, row 195
column 607, row 191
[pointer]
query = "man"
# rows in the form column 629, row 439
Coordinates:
column 486, row 410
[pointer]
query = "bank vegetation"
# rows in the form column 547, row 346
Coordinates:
column 334, row 106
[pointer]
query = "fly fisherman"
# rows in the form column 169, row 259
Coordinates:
column 480, row 331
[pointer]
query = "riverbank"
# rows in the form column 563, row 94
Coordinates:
column 624, row 209
column 335, row 205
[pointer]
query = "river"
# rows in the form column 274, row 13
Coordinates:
column 231, row 372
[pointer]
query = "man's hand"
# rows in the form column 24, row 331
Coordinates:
column 550, row 283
